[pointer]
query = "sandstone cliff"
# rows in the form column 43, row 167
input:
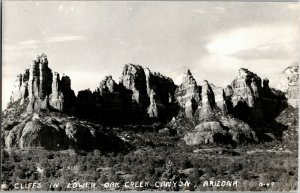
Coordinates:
column 188, row 94
column 43, row 88
column 289, row 84
column 237, row 114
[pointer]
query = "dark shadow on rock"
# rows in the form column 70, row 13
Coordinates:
column 242, row 111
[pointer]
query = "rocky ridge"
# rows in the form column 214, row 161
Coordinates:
column 236, row 114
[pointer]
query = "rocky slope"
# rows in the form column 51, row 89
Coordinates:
column 54, row 131
column 44, row 110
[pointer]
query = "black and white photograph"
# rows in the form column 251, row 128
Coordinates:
column 150, row 96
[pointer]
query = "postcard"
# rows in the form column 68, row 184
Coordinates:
column 150, row 96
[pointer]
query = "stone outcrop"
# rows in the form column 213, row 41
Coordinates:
column 224, row 130
column 207, row 133
column 222, row 115
column 110, row 101
column 107, row 85
column 68, row 94
column 42, row 88
column 133, row 78
column 215, row 128
column 39, row 84
column 56, row 98
column 220, row 98
column 239, row 131
column 206, row 112
column 251, row 100
column 289, row 84
column 20, row 90
column 244, row 95
column 160, row 90
column 273, row 101
column 188, row 94
column 38, row 134
column 54, row 132
column 246, row 87
column 140, row 96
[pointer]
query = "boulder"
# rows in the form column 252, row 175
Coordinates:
column 240, row 132
column 210, row 132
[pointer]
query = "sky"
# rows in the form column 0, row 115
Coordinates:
column 90, row 40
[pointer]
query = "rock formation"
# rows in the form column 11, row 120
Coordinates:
column 43, row 88
column 56, row 98
column 220, row 98
column 246, row 96
column 20, row 90
column 188, row 94
column 160, row 90
column 216, row 127
column 38, row 134
column 39, row 84
column 56, row 132
column 107, row 85
column 246, row 87
column 133, row 78
column 206, row 112
column 140, row 96
column 213, row 114
column 111, row 103
column 289, row 84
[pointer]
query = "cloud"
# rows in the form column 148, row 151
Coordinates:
column 259, row 40
column 269, row 51
column 29, row 42
column 56, row 39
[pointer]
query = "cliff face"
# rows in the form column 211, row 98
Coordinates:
column 188, row 94
column 140, row 96
column 160, row 90
column 43, row 88
column 289, row 84
column 233, row 114
column 20, row 90
column 39, row 84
